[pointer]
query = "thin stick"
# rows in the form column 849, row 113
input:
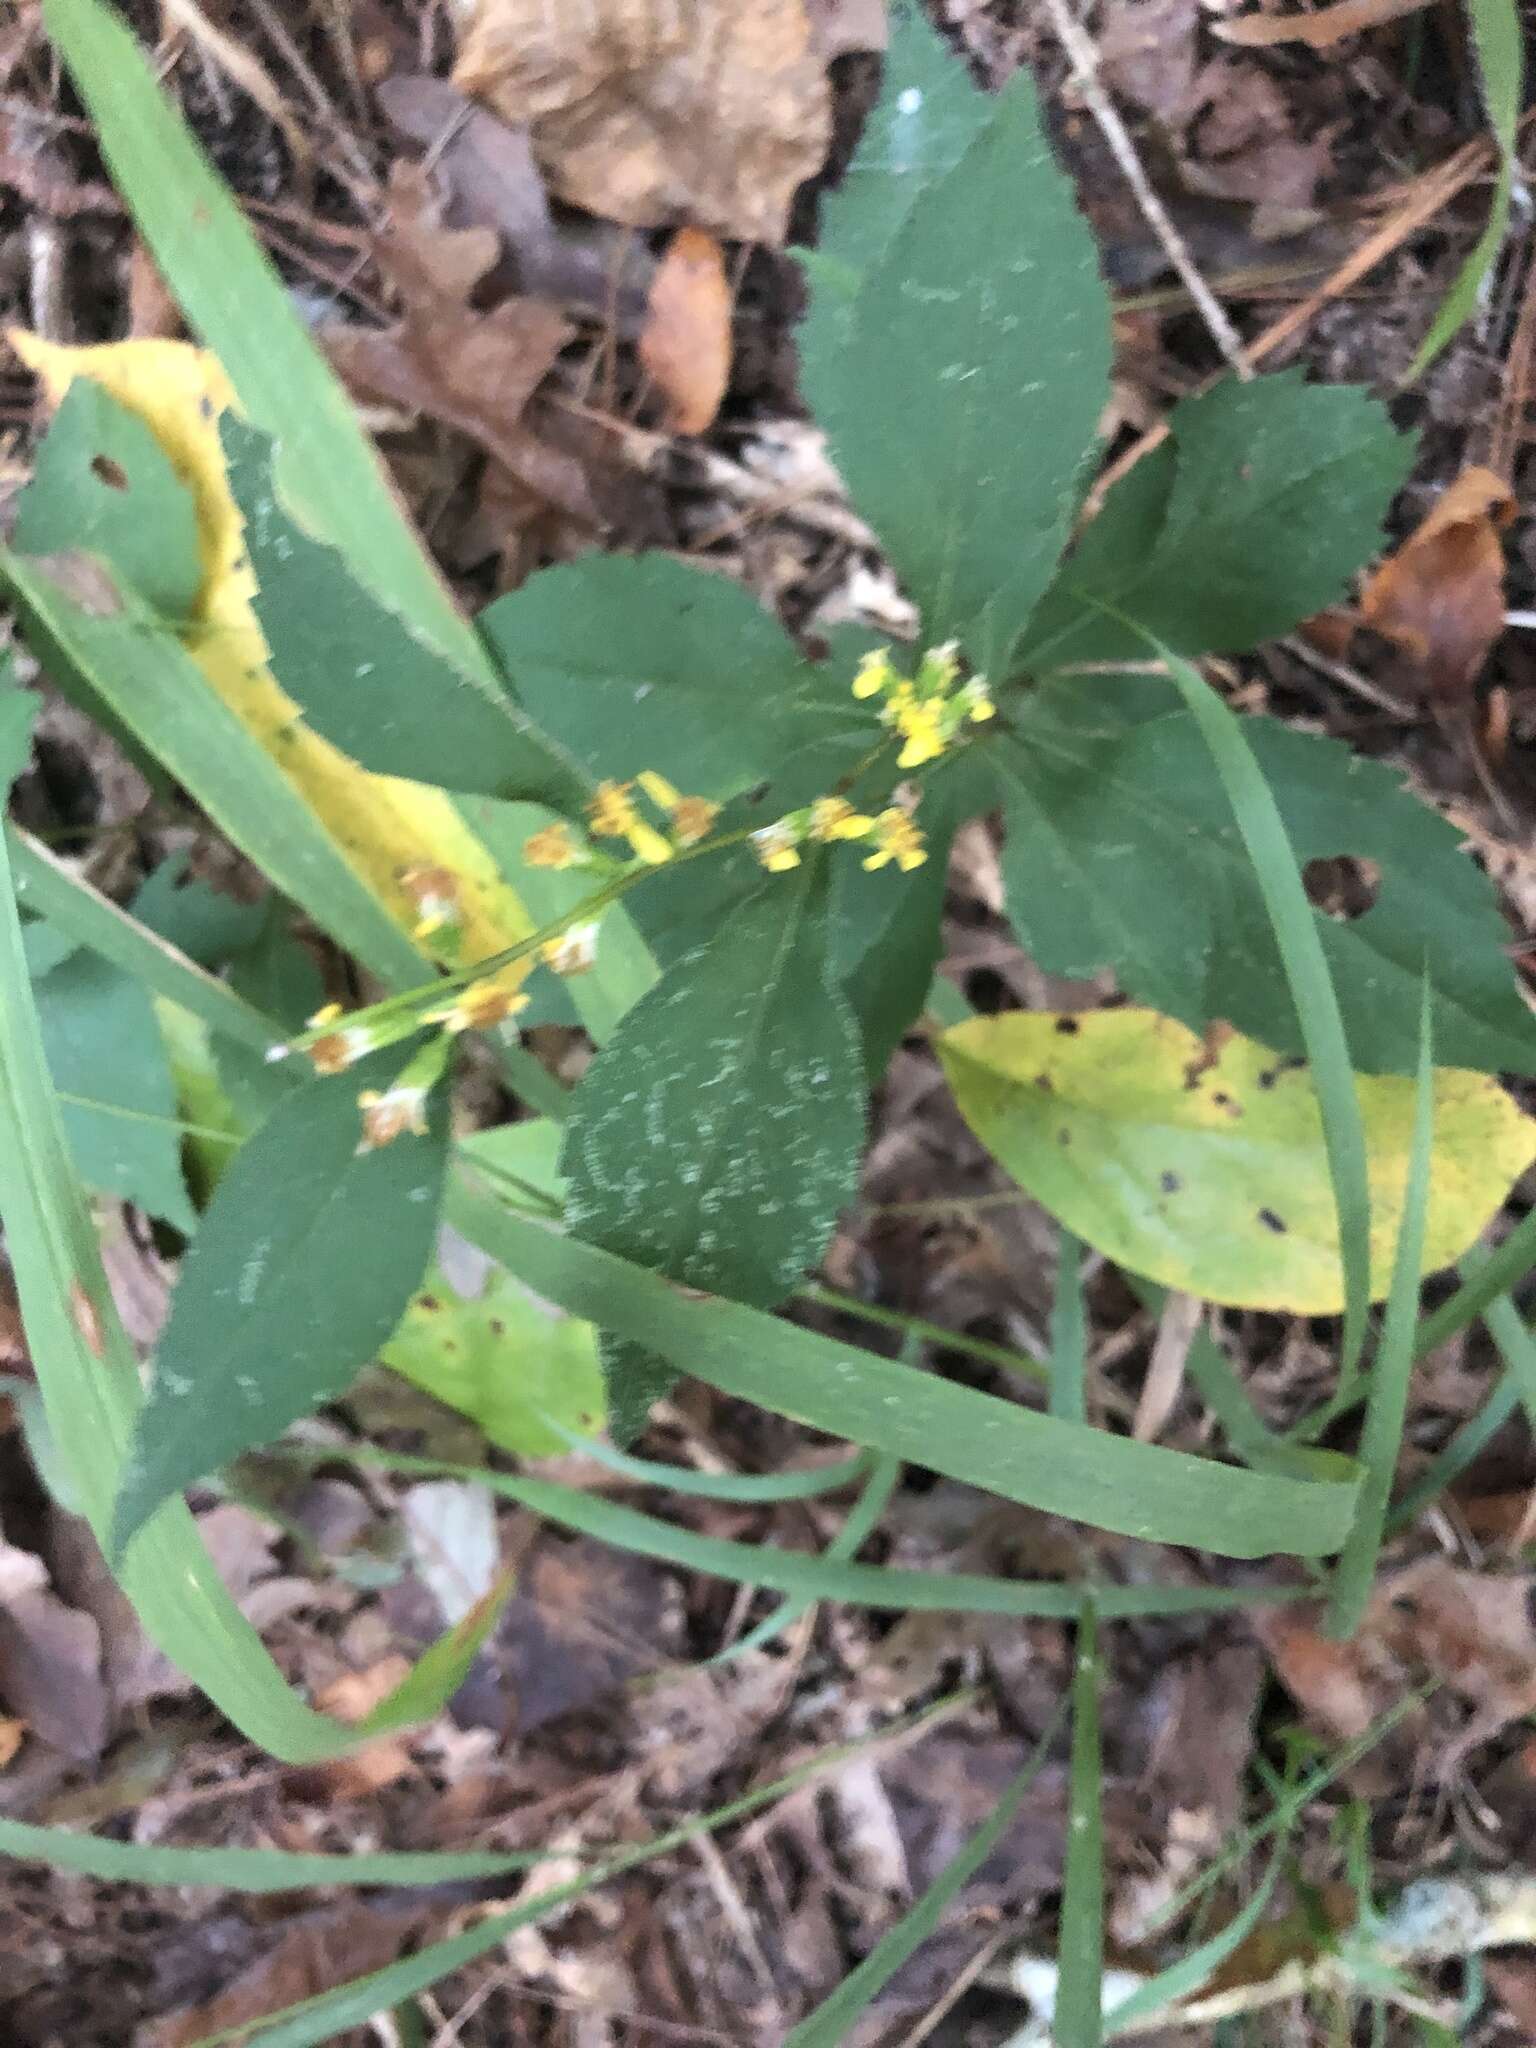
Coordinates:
column 1078, row 45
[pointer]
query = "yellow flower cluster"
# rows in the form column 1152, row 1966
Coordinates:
column 614, row 814
column 927, row 711
column 894, row 836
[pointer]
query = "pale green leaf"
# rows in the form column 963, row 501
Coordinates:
column 516, row 1370
column 103, row 483
column 1208, row 1170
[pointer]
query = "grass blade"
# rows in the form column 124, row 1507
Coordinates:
column 741, row 1488
column 1138, row 1489
column 1079, row 2015
column 1499, row 40
column 1500, row 1273
column 1387, row 1401
column 1190, row 1972
column 1069, row 1332
column 863, row 1519
column 1306, row 967
column 1517, row 1348
column 248, row 1870
column 792, row 1572
column 1468, row 1444
column 835, row 2016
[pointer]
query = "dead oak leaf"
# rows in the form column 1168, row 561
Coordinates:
column 472, row 370
column 1441, row 596
column 659, row 112
column 685, row 344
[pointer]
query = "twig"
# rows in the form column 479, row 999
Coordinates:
column 1078, row 45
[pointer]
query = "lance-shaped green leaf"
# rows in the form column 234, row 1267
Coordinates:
column 1255, row 514
column 302, row 1266
column 634, row 662
column 103, row 483
column 966, row 395
column 1122, row 852
column 364, row 679
column 717, row 1134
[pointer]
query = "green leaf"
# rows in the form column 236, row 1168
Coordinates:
column 1268, row 499
column 717, row 1134
column 103, row 483
column 966, row 395
column 1123, row 852
column 928, row 114
column 108, row 1062
column 205, row 924
column 302, row 1266
column 637, row 662
column 1064, row 1468
column 362, row 677
column 1206, row 1169
column 504, row 1361
column 18, row 715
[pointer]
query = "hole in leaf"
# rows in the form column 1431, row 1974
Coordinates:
column 111, row 473
column 1342, row 885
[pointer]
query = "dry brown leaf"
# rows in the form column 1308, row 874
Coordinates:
column 474, row 371
column 12, row 1735
column 314, row 1955
column 50, row 1673
column 1441, row 596
column 1319, row 30
column 659, row 112
column 839, row 27
column 685, row 345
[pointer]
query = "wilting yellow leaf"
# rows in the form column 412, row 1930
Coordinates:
column 385, row 828
column 1210, row 1174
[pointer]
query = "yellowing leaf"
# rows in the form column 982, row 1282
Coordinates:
column 383, row 827
column 504, row 1360
column 1206, row 1170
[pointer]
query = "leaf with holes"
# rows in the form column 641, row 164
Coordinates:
column 303, row 1265
column 963, row 403
column 1255, row 514
column 1122, row 852
column 1203, row 1166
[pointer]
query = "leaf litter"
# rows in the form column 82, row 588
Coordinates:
column 834, row 1872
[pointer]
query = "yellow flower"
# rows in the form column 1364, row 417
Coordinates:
column 777, row 847
column 573, row 952
column 938, row 669
column 921, row 723
column 874, row 673
column 614, row 816
column 436, row 897
column 977, row 699
column 897, row 839
column 661, row 792
column 832, row 818
column 553, row 847
column 388, row 1116
column 477, row 1007
column 326, row 1014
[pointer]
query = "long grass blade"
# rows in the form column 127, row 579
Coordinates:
column 1079, row 2016
column 1457, row 1456
column 1311, row 985
column 1069, row 1333
column 1387, row 1402
column 1500, row 1273
column 835, row 2017
column 1110, row 1482
column 741, row 1488
column 788, row 1571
